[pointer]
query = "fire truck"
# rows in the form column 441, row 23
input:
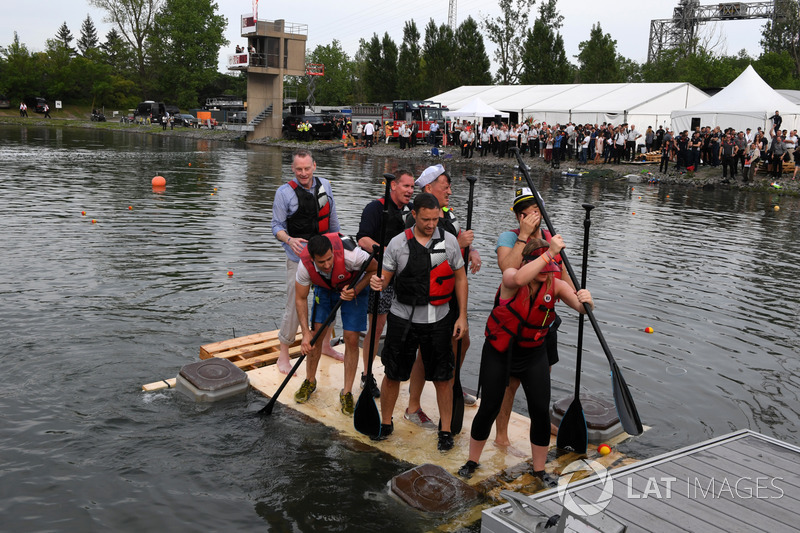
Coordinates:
column 423, row 112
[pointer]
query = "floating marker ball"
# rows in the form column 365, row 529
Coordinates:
column 604, row 449
column 158, row 181
column 94, row 221
column 777, row 208
column 83, row 213
column 190, row 164
column 230, row 273
column 633, row 213
column 130, row 207
column 648, row 330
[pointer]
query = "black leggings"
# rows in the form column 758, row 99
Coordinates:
column 531, row 367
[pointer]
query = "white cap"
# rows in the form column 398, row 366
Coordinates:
column 429, row 175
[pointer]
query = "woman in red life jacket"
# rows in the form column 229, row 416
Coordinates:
column 515, row 346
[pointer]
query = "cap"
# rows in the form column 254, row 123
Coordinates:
column 523, row 195
column 552, row 266
column 429, row 175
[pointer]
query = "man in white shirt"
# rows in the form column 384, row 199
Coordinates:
column 369, row 131
column 630, row 149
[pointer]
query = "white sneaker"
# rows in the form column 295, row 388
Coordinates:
column 419, row 418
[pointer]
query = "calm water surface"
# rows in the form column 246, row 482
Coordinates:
column 90, row 312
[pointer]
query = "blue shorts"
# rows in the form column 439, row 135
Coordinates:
column 353, row 313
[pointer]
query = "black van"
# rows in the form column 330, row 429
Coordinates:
column 154, row 110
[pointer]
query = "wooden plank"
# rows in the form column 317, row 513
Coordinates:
column 252, row 363
column 209, row 350
column 158, row 385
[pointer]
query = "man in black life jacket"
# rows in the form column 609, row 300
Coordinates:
column 329, row 262
column 428, row 270
column 509, row 255
column 369, row 233
column 435, row 180
column 302, row 208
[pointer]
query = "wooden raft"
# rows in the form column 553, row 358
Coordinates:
column 257, row 354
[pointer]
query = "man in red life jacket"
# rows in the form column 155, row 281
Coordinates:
column 329, row 262
column 369, row 233
column 435, row 180
column 428, row 270
column 302, row 208
column 509, row 255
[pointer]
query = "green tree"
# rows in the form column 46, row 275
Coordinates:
column 134, row 19
column 117, row 53
column 19, row 78
column 336, row 86
column 507, row 31
column 472, row 62
column 64, row 38
column 88, row 40
column 58, row 81
column 783, row 34
column 544, row 58
column 597, row 59
column 380, row 68
column 409, row 67
column 187, row 36
column 439, row 55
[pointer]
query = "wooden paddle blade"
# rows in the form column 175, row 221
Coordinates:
column 626, row 409
column 366, row 418
column 573, row 434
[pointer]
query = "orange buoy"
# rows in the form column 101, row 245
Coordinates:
column 230, row 273
column 94, row 221
column 158, row 181
column 648, row 329
column 130, row 207
column 83, row 213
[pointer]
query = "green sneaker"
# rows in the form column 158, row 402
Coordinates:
column 347, row 403
column 304, row 392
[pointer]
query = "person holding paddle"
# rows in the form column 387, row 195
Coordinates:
column 515, row 346
column 436, row 181
column 331, row 262
column 509, row 255
column 428, row 270
column 401, row 189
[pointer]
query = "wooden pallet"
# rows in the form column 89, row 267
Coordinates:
column 251, row 351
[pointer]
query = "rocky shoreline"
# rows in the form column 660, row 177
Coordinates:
column 706, row 178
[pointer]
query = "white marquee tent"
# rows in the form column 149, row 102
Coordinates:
column 476, row 108
column 747, row 102
column 643, row 104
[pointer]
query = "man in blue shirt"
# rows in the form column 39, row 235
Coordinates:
column 302, row 208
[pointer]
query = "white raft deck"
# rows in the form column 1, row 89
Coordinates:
column 740, row 482
column 256, row 355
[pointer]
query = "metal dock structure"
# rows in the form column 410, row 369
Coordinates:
column 743, row 481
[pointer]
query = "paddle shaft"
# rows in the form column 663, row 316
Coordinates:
column 267, row 409
column 587, row 222
column 376, row 301
column 457, row 419
column 633, row 425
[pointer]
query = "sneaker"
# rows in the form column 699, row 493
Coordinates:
column 419, row 418
column 468, row 469
column 304, row 392
column 548, row 481
column 469, row 399
column 386, row 430
column 347, row 403
column 372, row 385
column 445, row 441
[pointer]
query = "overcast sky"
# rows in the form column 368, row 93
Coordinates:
column 628, row 21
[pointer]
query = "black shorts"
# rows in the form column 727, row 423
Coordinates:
column 400, row 349
column 385, row 303
column 551, row 341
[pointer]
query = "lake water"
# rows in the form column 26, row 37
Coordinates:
column 90, row 312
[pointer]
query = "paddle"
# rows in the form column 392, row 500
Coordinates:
column 366, row 418
column 457, row 420
column 572, row 432
column 626, row 409
column 267, row 409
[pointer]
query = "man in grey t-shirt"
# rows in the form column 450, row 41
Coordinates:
column 428, row 270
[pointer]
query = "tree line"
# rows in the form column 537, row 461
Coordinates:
column 167, row 50
column 162, row 50
column 531, row 54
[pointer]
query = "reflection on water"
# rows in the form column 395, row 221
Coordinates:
column 89, row 312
